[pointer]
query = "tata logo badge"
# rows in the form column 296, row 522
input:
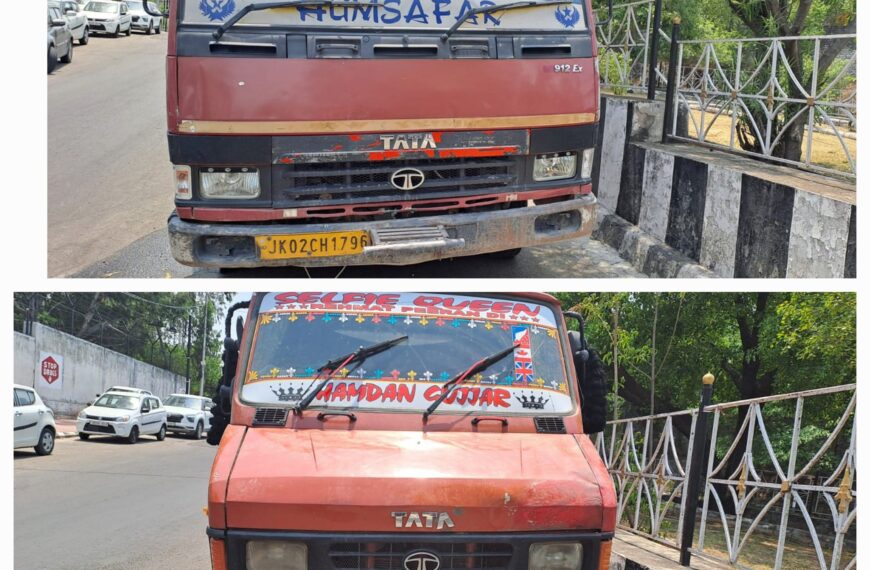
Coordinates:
column 407, row 179
column 422, row 560
column 408, row 141
column 421, row 520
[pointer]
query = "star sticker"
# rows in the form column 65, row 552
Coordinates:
column 310, row 317
column 343, row 372
column 424, row 321
column 508, row 379
column 361, row 373
column 392, row 320
column 343, row 318
column 412, row 374
column 379, row 373
column 290, row 372
column 563, row 387
column 477, row 378
column 505, row 326
column 309, row 371
column 493, row 378
column 488, row 326
column 292, row 318
column 472, row 324
column 554, row 384
column 540, row 382
column 444, row 376
column 275, row 372
column 536, row 330
column 277, row 318
column 456, row 323
column 265, row 319
column 428, row 376
column 408, row 320
column 252, row 375
column 360, row 319
column 551, row 333
column 376, row 319
column 439, row 321
column 395, row 374
column 327, row 317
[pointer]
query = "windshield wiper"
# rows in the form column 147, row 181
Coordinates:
column 475, row 368
column 288, row 4
column 497, row 8
column 333, row 366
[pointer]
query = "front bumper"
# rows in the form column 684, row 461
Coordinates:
column 343, row 551
column 118, row 429
column 232, row 245
column 180, row 428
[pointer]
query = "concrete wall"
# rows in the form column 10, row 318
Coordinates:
column 667, row 207
column 88, row 369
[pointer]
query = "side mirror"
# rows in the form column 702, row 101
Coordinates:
column 143, row 409
column 58, row 23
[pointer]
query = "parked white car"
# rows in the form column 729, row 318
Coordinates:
column 108, row 17
column 34, row 421
column 75, row 18
column 188, row 414
column 123, row 414
column 130, row 389
column 142, row 20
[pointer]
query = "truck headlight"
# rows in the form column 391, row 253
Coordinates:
column 555, row 556
column 586, row 167
column 276, row 555
column 555, row 166
column 182, row 183
column 230, row 183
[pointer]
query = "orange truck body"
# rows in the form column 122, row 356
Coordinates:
column 388, row 478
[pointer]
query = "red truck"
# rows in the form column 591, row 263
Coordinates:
column 408, row 431
column 356, row 132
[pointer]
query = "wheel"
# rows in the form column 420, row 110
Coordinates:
column 117, row 31
column 134, row 435
column 506, row 254
column 197, row 435
column 83, row 41
column 84, row 436
column 150, row 29
column 161, row 435
column 129, row 30
column 52, row 58
column 157, row 29
column 46, row 442
column 68, row 57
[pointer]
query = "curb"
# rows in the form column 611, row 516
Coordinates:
column 63, row 434
column 646, row 253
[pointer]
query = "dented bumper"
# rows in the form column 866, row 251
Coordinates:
column 405, row 242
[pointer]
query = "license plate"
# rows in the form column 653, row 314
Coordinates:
column 100, row 424
column 312, row 245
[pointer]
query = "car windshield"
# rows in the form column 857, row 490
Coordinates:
column 298, row 333
column 108, row 7
column 398, row 14
column 118, row 401
column 135, row 5
column 182, row 402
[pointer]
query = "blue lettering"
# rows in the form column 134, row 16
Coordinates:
column 438, row 13
column 419, row 16
column 396, row 15
column 338, row 17
column 488, row 17
column 317, row 13
column 466, row 7
column 366, row 12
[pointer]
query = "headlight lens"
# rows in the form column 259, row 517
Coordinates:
column 190, row 418
column 586, row 167
column 555, row 166
column 555, row 556
column 122, row 419
column 276, row 555
column 182, row 183
column 82, row 415
column 229, row 183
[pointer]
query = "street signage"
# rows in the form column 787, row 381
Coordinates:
column 50, row 371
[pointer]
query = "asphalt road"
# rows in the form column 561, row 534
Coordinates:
column 109, row 183
column 105, row 505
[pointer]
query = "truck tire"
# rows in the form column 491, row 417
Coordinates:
column 46, row 442
column 593, row 394
column 52, row 58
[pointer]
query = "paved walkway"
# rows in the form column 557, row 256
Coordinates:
column 631, row 551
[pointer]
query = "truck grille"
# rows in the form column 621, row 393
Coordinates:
column 391, row 555
column 312, row 184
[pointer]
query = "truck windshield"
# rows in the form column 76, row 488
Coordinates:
column 296, row 333
column 397, row 14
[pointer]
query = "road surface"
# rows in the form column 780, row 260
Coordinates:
column 105, row 505
column 109, row 183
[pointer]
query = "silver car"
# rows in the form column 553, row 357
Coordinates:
column 60, row 41
column 108, row 17
column 75, row 18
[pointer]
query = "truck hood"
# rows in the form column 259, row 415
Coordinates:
column 349, row 481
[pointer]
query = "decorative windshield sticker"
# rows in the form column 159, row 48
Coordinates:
column 396, row 14
column 441, row 336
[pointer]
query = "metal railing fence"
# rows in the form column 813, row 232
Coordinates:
column 794, row 487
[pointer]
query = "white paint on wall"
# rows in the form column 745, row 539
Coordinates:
column 612, row 150
column 819, row 233
column 655, row 201
column 721, row 218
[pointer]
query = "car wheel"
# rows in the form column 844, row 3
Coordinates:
column 68, row 57
column 84, row 436
column 117, row 31
column 129, row 30
column 157, row 29
column 161, row 435
column 197, row 435
column 134, row 435
column 150, row 29
column 83, row 41
column 46, row 442
column 52, row 58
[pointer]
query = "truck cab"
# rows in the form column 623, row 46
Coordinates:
column 334, row 133
column 408, row 431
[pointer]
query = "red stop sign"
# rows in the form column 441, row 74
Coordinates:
column 50, row 369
